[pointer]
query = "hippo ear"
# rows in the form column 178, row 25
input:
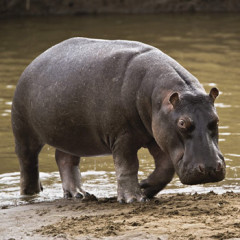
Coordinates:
column 174, row 99
column 214, row 93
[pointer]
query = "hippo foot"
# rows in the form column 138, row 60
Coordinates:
column 79, row 195
column 150, row 190
column 68, row 194
column 125, row 196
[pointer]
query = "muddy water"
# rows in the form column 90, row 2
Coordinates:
column 207, row 45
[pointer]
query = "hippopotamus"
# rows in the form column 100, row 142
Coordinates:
column 89, row 97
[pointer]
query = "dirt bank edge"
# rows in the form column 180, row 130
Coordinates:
column 205, row 216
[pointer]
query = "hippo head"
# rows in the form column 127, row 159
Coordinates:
column 186, row 127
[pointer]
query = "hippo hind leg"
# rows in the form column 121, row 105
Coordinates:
column 27, row 148
column 68, row 166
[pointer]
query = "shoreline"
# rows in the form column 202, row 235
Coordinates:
column 172, row 216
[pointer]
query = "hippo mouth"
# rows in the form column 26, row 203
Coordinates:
column 192, row 176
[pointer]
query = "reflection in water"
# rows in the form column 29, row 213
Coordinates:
column 207, row 45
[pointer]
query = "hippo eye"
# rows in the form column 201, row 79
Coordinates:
column 213, row 126
column 186, row 125
column 182, row 123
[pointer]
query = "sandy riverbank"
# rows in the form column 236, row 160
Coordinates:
column 207, row 216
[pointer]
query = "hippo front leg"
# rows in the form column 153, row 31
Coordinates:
column 70, row 175
column 161, row 176
column 126, row 164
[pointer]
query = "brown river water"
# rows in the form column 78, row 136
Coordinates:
column 207, row 45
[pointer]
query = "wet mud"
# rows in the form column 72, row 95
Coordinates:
column 205, row 216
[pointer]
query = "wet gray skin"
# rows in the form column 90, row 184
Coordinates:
column 89, row 97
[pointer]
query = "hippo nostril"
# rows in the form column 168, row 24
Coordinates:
column 201, row 168
column 219, row 167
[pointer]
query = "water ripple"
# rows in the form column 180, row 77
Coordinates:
column 100, row 183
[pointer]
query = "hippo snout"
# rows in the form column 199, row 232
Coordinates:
column 211, row 170
column 203, row 173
